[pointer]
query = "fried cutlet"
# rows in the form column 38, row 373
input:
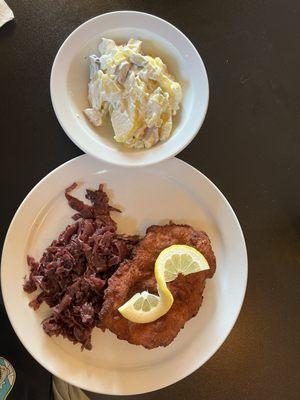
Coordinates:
column 137, row 275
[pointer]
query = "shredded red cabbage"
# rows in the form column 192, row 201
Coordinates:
column 73, row 271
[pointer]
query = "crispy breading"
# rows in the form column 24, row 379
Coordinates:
column 137, row 275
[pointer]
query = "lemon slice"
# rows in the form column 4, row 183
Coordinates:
column 146, row 307
column 178, row 259
column 174, row 260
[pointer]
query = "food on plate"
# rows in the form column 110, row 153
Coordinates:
column 174, row 260
column 136, row 90
column 90, row 275
column 73, row 271
column 137, row 275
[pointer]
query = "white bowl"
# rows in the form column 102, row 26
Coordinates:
column 69, row 83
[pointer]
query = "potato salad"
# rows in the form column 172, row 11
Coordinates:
column 135, row 90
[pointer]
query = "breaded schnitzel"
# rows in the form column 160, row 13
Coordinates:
column 137, row 275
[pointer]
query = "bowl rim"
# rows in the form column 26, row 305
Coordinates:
column 128, row 161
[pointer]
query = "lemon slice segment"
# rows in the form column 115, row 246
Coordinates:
column 146, row 307
column 178, row 259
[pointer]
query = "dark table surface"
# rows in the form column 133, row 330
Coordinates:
column 249, row 146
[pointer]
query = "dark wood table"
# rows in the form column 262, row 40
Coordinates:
column 249, row 146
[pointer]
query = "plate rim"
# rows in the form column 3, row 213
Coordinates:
column 198, row 363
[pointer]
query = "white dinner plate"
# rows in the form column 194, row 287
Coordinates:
column 171, row 190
